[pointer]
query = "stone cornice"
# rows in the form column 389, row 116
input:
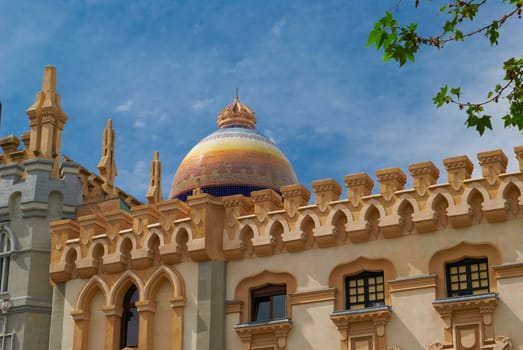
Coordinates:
column 509, row 270
column 417, row 282
column 315, row 296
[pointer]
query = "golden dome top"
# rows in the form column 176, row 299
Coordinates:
column 237, row 114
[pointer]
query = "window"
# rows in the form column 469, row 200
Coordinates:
column 129, row 330
column 467, row 277
column 5, row 255
column 269, row 303
column 364, row 290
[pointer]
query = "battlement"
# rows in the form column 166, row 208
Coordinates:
column 239, row 227
column 31, row 180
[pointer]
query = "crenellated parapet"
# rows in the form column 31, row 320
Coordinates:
column 26, row 189
column 267, row 223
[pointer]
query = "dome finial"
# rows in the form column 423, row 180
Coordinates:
column 237, row 114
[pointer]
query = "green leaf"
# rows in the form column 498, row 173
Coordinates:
column 441, row 98
column 456, row 91
column 458, row 35
column 492, row 33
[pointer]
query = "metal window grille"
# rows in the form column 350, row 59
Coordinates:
column 467, row 277
column 366, row 289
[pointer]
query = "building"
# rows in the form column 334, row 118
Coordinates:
column 35, row 189
column 238, row 257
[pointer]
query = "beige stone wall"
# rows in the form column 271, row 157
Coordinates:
column 312, row 328
column 508, row 316
column 414, row 323
column 72, row 289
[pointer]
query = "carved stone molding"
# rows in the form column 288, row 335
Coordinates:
column 272, row 333
column 367, row 324
column 467, row 320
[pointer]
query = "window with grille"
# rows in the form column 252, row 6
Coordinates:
column 269, row 303
column 366, row 289
column 5, row 256
column 467, row 277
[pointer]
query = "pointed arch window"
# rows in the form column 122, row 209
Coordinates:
column 6, row 250
column 129, row 323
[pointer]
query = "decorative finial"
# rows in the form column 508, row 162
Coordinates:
column 237, row 114
column 154, row 193
column 107, row 164
column 49, row 82
column 197, row 187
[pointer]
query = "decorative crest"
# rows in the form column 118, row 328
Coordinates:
column 237, row 114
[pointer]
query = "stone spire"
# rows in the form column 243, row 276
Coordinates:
column 154, row 193
column 47, row 120
column 237, row 114
column 107, row 164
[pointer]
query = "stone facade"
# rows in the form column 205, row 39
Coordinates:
column 436, row 266
column 234, row 245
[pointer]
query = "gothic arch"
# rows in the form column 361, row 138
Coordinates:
column 154, row 232
column 403, row 200
column 169, row 274
column 435, row 195
column 122, row 284
column 88, row 291
column 180, row 229
column 368, row 206
column 15, row 245
column 275, row 221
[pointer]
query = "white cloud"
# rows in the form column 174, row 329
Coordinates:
column 124, row 107
column 199, row 105
column 135, row 180
column 139, row 123
column 278, row 26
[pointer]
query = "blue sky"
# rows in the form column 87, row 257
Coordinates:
column 163, row 69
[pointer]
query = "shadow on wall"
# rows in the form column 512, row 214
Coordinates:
column 409, row 340
column 511, row 323
column 306, row 327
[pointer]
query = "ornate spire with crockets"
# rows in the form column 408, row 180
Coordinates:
column 107, row 164
column 154, row 193
column 47, row 120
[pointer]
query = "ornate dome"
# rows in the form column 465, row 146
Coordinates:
column 235, row 159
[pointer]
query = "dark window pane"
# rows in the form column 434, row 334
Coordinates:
column 130, row 319
column 263, row 310
column 132, row 328
column 364, row 290
column 278, row 306
column 268, row 303
column 472, row 275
